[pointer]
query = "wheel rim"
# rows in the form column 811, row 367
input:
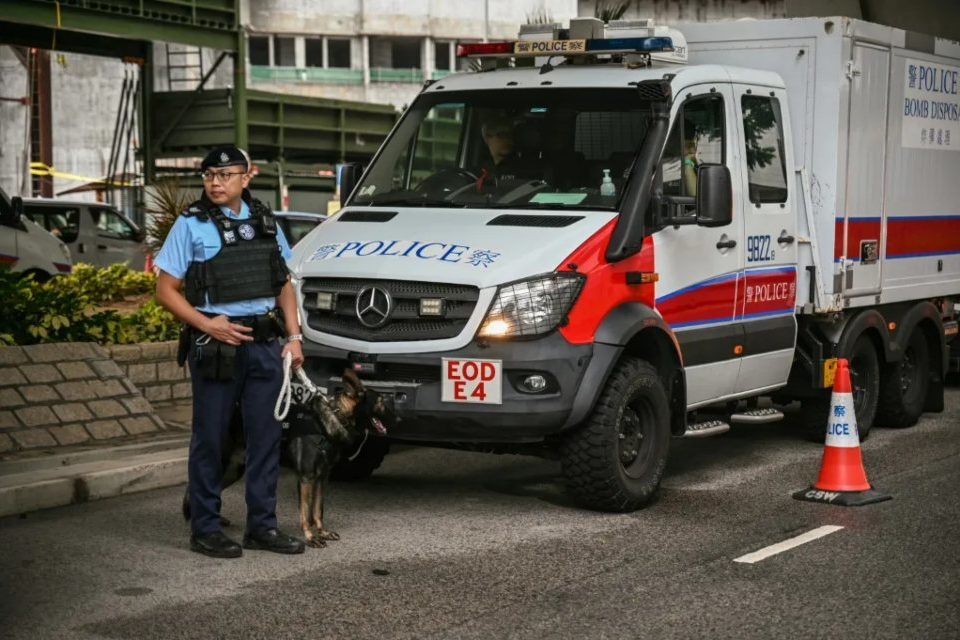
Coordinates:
column 634, row 436
column 908, row 371
column 860, row 381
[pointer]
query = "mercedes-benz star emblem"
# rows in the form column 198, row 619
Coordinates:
column 373, row 306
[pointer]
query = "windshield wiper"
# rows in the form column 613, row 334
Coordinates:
column 410, row 201
column 555, row 206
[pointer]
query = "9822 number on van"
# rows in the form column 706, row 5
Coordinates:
column 758, row 249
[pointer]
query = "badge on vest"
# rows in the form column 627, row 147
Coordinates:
column 230, row 237
column 247, row 232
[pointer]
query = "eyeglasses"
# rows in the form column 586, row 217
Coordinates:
column 211, row 176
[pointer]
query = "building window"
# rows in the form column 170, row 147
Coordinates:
column 258, row 48
column 313, row 52
column 395, row 53
column 338, row 53
column 406, row 53
column 284, row 54
column 441, row 56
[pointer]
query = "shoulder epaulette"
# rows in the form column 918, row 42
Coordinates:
column 198, row 210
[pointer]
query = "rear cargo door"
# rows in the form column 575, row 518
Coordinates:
column 862, row 227
column 766, row 299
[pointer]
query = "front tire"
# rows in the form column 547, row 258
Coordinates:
column 615, row 460
column 904, row 385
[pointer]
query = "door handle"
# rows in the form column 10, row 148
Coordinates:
column 726, row 244
column 785, row 238
column 102, row 247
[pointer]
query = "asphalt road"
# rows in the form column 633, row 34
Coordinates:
column 458, row 545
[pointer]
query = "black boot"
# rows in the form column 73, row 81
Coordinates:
column 272, row 540
column 215, row 545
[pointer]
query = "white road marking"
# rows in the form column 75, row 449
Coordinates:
column 786, row 545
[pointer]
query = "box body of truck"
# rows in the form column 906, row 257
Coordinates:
column 588, row 258
column 875, row 120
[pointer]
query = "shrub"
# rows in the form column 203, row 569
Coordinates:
column 64, row 309
column 109, row 284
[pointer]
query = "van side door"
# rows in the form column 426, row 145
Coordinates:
column 767, row 298
column 699, row 267
column 116, row 239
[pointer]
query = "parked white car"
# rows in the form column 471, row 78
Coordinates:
column 27, row 247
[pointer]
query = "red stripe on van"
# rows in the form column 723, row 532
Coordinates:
column 606, row 286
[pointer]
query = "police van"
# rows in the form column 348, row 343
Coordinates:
column 615, row 233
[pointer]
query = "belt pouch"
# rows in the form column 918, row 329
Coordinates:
column 216, row 360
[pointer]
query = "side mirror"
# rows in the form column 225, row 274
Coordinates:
column 139, row 235
column 349, row 176
column 16, row 209
column 714, row 196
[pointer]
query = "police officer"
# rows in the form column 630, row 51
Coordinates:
column 228, row 253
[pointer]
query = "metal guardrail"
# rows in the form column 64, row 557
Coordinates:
column 337, row 75
column 333, row 75
column 383, row 74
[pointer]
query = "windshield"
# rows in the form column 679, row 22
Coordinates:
column 510, row 149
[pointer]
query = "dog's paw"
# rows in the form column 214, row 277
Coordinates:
column 328, row 535
column 316, row 543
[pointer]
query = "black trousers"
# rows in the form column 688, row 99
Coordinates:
column 256, row 385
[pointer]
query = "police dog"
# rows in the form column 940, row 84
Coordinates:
column 321, row 431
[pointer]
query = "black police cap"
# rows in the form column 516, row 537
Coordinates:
column 226, row 156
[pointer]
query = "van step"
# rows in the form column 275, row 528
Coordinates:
column 757, row 416
column 706, row 428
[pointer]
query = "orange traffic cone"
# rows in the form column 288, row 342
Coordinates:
column 148, row 263
column 842, row 479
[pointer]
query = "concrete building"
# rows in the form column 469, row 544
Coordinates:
column 375, row 50
column 369, row 50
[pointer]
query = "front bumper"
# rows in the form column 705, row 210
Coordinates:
column 415, row 383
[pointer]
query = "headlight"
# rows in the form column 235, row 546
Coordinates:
column 531, row 307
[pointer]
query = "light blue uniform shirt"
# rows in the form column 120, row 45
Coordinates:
column 191, row 239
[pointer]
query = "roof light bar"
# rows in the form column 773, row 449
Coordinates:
column 522, row 48
column 629, row 45
column 484, row 49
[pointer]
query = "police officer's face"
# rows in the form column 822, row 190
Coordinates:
column 499, row 141
column 224, row 185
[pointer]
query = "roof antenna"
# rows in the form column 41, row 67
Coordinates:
column 547, row 67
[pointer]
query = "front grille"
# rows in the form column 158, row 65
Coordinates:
column 404, row 322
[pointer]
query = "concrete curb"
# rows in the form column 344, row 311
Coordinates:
column 30, row 485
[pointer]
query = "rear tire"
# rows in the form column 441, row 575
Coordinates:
column 615, row 460
column 366, row 462
column 904, row 385
column 865, row 380
column 39, row 275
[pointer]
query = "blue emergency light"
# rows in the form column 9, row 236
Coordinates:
column 629, row 45
column 573, row 47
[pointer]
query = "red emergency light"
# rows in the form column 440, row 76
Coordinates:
column 484, row 49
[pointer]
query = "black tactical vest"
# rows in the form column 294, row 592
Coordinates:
column 249, row 264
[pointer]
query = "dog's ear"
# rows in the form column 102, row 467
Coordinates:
column 352, row 385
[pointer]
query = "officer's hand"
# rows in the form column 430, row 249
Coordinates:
column 295, row 350
column 220, row 328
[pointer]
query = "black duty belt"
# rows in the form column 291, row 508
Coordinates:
column 265, row 326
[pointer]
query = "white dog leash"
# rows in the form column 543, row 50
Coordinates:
column 282, row 408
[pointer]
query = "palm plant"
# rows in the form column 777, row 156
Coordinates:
column 613, row 11
column 166, row 201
